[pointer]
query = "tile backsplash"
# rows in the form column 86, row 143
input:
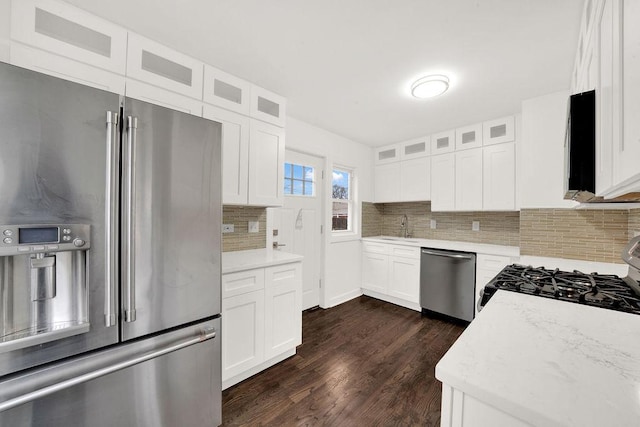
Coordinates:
column 500, row 228
column 585, row 234
column 591, row 235
column 241, row 239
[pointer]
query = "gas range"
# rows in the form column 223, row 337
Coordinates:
column 599, row 290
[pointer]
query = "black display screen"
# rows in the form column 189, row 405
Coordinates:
column 38, row 235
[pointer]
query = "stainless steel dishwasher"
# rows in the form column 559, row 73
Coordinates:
column 447, row 282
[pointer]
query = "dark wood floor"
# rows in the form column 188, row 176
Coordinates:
column 362, row 363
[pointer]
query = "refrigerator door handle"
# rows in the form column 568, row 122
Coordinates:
column 205, row 334
column 128, row 218
column 111, row 220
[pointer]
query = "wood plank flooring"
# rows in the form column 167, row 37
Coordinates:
column 362, row 363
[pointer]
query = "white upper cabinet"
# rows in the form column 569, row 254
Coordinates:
column 267, row 106
column 498, row 180
column 499, row 130
column 266, row 164
column 415, row 180
column 443, row 142
column 468, row 180
column 158, row 65
column 387, row 154
column 227, row 91
column 64, row 68
column 163, row 98
column 235, row 153
column 627, row 152
column 387, row 183
column 69, row 32
column 469, row 137
column 415, row 148
column 443, row 178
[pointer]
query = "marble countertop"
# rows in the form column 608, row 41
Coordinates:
column 256, row 258
column 549, row 362
column 481, row 248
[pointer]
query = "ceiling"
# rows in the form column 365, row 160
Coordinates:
column 344, row 65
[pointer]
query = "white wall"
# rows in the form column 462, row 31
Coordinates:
column 5, row 29
column 542, row 152
column 342, row 256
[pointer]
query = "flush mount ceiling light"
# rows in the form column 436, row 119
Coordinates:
column 430, row 86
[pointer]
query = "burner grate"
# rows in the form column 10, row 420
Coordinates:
column 600, row 290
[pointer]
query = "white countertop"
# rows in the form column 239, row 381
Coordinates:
column 256, row 258
column 549, row 363
column 481, row 248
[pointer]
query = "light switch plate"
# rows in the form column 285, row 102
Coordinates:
column 433, row 224
column 228, row 228
column 475, row 226
column 254, row 227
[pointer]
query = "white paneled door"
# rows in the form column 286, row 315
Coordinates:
column 298, row 222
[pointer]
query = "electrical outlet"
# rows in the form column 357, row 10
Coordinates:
column 254, row 227
column 228, row 228
column 433, row 224
column 475, row 226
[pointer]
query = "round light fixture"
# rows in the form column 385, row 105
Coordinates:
column 430, row 86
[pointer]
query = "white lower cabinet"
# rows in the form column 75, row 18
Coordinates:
column 404, row 278
column 392, row 273
column 261, row 319
column 243, row 333
column 283, row 308
column 462, row 410
column 487, row 267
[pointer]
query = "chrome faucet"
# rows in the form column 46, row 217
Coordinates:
column 404, row 226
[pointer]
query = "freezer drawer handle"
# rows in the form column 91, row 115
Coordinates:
column 205, row 334
column 129, row 185
column 111, row 212
column 446, row 254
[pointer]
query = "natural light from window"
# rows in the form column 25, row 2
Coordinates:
column 341, row 200
column 299, row 180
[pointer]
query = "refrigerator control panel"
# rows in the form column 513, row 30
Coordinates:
column 22, row 239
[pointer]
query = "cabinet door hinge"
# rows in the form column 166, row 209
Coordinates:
column 321, row 229
column 322, row 174
column 320, row 283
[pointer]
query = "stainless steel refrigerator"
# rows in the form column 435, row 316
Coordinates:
column 110, row 213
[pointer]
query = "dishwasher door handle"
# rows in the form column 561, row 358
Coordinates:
column 446, row 254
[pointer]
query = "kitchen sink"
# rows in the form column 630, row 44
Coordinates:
column 398, row 239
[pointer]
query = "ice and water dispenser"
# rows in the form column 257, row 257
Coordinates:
column 43, row 283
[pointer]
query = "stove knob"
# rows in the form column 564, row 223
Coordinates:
column 78, row 243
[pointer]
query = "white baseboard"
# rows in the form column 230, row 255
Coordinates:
column 392, row 300
column 340, row 299
column 256, row 369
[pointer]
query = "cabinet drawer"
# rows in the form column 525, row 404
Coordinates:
column 375, row 248
column 242, row 282
column 405, row 252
